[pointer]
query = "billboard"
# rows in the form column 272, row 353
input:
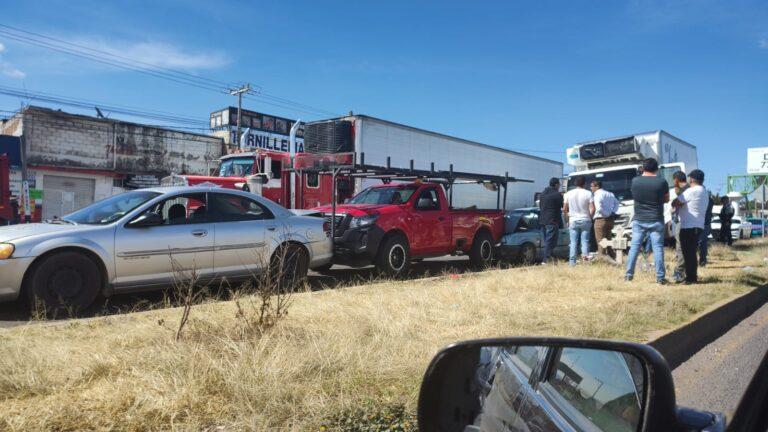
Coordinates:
column 757, row 160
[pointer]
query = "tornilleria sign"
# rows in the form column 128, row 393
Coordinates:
column 757, row 160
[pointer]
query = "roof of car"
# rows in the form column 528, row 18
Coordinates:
column 195, row 188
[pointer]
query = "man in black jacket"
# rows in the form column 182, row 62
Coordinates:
column 551, row 216
column 726, row 216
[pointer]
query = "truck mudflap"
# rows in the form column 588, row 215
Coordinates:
column 357, row 247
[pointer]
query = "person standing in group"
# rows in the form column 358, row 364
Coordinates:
column 578, row 211
column 606, row 206
column 550, row 216
column 650, row 192
column 680, row 186
column 704, row 237
column 692, row 207
column 726, row 216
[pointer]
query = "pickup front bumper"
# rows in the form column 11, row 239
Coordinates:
column 357, row 247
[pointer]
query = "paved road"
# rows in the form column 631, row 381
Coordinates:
column 14, row 313
column 715, row 378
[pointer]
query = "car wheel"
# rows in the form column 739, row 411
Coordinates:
column 528, row 254
column 289, row 266
column 394, row 257
column 65, row 282
column 481, row 254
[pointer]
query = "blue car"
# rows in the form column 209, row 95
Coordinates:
column 523, row 238
column 758, row 226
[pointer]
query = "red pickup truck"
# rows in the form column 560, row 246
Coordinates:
column 391, row 225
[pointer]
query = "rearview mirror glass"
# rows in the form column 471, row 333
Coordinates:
column 519, row 385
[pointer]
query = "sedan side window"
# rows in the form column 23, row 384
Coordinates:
column 181, row 209
column 233, row 208
column 596, row 388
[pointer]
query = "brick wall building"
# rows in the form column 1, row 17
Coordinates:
column 73, row 160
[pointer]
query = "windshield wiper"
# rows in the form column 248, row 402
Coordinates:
column 59, row 222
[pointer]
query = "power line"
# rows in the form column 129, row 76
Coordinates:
column 87, row 104
column 126, row 63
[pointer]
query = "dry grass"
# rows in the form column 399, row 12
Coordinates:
column 337, row 349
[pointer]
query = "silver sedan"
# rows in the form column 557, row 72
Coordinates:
column 149, row 238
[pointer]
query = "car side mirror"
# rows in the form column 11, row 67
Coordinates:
column 424, row 204
column 258, row 178
column 597, row 384
column 148, row 219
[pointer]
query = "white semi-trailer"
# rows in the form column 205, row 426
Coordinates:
column 616, row 161
column 384, row 142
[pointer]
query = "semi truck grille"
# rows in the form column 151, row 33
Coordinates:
column 338, row 222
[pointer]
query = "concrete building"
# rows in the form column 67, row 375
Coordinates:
column 73, row 160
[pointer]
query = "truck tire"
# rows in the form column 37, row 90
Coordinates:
column 394, row 257
column 64, row 282
column 481, row 254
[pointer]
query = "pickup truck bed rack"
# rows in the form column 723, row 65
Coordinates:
column 359, row 169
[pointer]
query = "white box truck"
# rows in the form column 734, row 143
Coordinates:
column 616, row 161
column 382, row 142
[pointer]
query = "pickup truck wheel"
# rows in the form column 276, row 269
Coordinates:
column 64, row 282
column 394, row 258
column 481, row 255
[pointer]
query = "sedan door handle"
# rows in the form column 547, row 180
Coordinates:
column 200, row 233
column 271, row 228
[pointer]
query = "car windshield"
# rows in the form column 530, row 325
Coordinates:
column 383, row 195
column 236, row 167
column 109, row 210
column 619, row 182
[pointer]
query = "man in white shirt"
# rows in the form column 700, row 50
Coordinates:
column 606, row 205
column 692, row 208
column 578, row 210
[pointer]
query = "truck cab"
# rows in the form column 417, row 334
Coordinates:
column 390, row 225
column 616, row 161
column 305, row 190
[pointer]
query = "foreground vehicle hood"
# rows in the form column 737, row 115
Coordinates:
column 21, row 231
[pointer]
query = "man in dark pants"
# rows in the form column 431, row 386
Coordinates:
column 704, row 237
column 692, row 207
column 726, row 216
column 551, row 216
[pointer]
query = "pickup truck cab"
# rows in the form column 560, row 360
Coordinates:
column 390, row 225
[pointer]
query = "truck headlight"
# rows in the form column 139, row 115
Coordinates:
column 6, row 250
column 362, row 221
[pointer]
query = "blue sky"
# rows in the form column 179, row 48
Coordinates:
column 533, row 76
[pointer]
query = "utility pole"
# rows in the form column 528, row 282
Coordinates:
column 239, row 93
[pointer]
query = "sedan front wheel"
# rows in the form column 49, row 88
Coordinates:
column 64, row 282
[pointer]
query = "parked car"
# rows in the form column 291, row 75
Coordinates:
column 565, row 385
column 758, row 226
column 739, row 229
column 390, row 225
column 145, row 239
column 523, row 238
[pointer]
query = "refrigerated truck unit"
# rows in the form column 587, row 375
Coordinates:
column 631, row 150
column 386, row 143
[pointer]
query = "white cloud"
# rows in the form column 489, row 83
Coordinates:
column 8, row 69
column 159, row 54
column 763, row 43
